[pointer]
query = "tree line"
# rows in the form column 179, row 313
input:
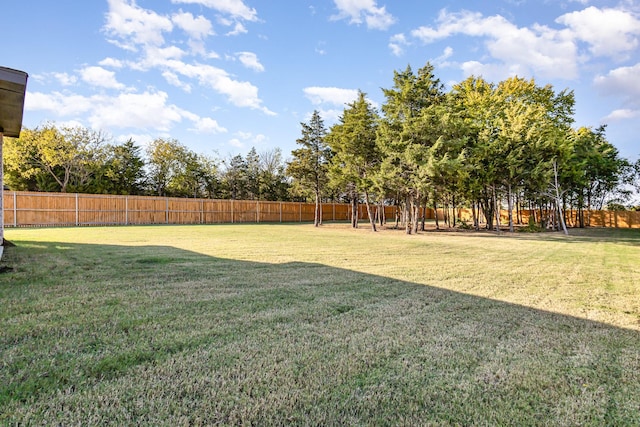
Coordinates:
column 76, row 159
column 480, row 145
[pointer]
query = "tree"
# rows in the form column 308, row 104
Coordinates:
column 235, row 177
column 309, row 165
column 274, row 183
column 173, row 168
column 406, row 134
column 254, row 175
column 209, row 178
column 356, row 156
column 125, row 169
column 56, row 158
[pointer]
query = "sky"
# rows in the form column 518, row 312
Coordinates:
column 223, row 76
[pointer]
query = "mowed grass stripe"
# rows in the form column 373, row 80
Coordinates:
column 263, row 324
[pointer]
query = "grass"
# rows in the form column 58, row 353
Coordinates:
column 287, row 324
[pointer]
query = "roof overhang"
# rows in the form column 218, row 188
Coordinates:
column 13, row 85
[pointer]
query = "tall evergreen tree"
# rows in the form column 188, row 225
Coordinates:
column 357, row 158
column 125, row 169
column 309, row 164
column 407, row 133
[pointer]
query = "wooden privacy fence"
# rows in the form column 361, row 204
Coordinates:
column 23, row 209
column 611, row 219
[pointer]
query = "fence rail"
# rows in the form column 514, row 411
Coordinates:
column 23, row 209
column 32, row 209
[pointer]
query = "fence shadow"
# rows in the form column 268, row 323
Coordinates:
column 156, row 334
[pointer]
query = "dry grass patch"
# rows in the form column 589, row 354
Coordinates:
column 287, row 324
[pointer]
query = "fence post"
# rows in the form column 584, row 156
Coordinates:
column 77, row 220
column 15, row 210
column 258, row 211
column 201, row 211
column 231, row 211
column 300, row 209
column 126, row 210
column 280, row 211
column 166, row 211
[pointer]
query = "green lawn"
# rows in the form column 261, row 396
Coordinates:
column 288, row 324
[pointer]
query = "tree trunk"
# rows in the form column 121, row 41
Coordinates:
column 415, row 207
column 354, row 211
column 372, row 220
column 474, row 216
column 510, row 207
column 408, row 210
column 559, row 199
column 435, row 211
column 317, row 217
column 454, row 213
column 397, row 217
column 496, row 208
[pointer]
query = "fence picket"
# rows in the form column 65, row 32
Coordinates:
column 23, row 209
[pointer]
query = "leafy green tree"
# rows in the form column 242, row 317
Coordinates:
column 406, row 134
column 124, row 169
column 254, row 175
column 274, row 183
column 170, row 164
column 235, row 177
column 309, row 164
column 209, row 176
column 22, row 169
column 356, row 157
column 70, row 157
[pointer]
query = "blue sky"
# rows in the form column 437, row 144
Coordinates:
column 222, row 76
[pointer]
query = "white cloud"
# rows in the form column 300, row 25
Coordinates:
column 240, row 94
column 111, row 62
column 207, row 125
column 236, row 8
column 148, row 110
column 60, row 104
column 397, row 44
column 174, row 80
column 65, row 79
column 98, row 76
column 235, row 142
column 622, row 114
column 621, row 81
column 158, row 57
column 330, row 95
column 250, row 60
column 492, row 71
column 441, row 61
column 238, row 28
column 197, row 28
column 146, row 31
column 244, row 139
column 609, row 32
column 536, row 50
column 135, row 26
column 367, row 11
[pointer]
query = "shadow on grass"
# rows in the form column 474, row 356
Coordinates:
column 626, row 236
column 158, row 335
